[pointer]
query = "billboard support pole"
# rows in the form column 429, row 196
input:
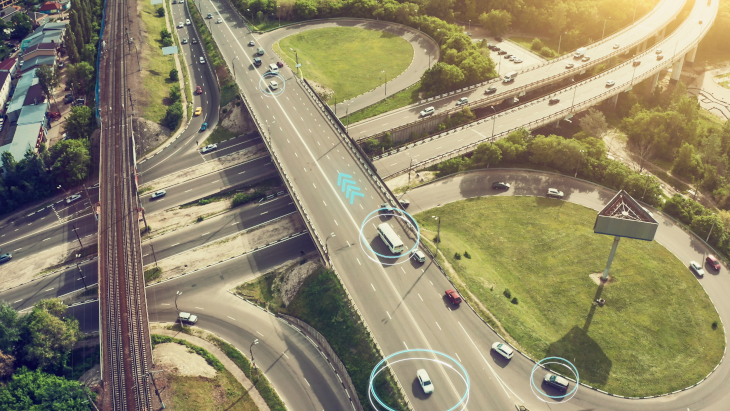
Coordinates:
column 610, row 258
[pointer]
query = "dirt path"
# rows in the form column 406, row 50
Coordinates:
column 159, row 328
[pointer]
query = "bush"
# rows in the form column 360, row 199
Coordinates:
column 174, row 76
column 536, row 45
column 152, row 274
column 173, row 116
column 466, row 254
column 436, row 239
column 514, row 301
column 243, row 198
column 166, row 42
column 160, row 12
column 225, row 110
column 507, row 293
column 201, row 218
column 714, row 325
column 548, row 52
column 457, row 256
column 238, row 104
column 205, row 201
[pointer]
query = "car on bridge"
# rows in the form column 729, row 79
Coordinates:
column 427, row 111
column 659, row 57
column 636, row 63
column 713, row 262
column 425, row 381
column 503, row 349
column 499, row 185
column 554, row 100
column 462, row 101
column 585, row 58
column 554, row 192
column 615, row 46
column 209, row 148
column 569, row 66
column 490, row 90
column 696, row 268
column 5, row 258
column 658, row 51
column 158, row 194
column 610, row 83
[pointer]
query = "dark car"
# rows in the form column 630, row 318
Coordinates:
column 454, row 297
column 554, row 100
column 636, row 63
column 498, row 38
column 713, row 262
column 557, row 382
column 500, row 186
column 490, row 90
column 501, row 52
column 495, row 48
column 5, row 257
column 204, row 127
column 659, row 57
column 507, row 56
column 279, row 64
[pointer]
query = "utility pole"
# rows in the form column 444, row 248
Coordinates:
column 713, row 226
column 494, row 123
column 81, row 276
column 256, row 341
column 77, row 235
column 153, row 252
column 178, row 294
column 410, row 166
column 385, row 83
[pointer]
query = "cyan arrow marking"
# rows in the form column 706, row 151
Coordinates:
column 339, row 177
column 355, row 193
column 345, row 183
column 353, row 188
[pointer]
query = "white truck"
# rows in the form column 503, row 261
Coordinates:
column 580, row 52
column 187, row 318
column 509, row 77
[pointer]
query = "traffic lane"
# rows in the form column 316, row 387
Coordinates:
column 49, row 238
column 52, row 286
column 214, row 229
column 504, row 65
column 87, row 314
column 669, row 235
column 233, row 145
column 208, row 184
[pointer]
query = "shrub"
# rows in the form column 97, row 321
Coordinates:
column 548, row 52
column 174, row 76
column 243, row 198
column 714, row 325
column 238, row 104
column 160, row 12
column 536, row 45
column 514, row 301
column 507, row 293
column 201, row 218
column 436, row 239
column 466, row 254
column 166, row 42
column 457, row 256
column 225, row 110
column 204, row 201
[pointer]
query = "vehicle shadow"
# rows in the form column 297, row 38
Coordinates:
column 417, row 391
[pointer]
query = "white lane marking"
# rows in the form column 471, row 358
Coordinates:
column 358, row 260
column 504, row 386
column 47, row 239
column 419, row 296
column 325, row 204
column 264, row 212
column 200, row 308
column 336, row 222
column 371, row 284
column 457, row 356
column 287, row 357
column 49, row 289
column 231, row 318
column 18, row 301
column 188, row 190
column 165, row 304
column 305, row 380
column 172, row 245
column 241, row 172
column 259, row 333
column 404, row 343
column 22, row 248
column 389, row 315
column 437, row 325
column 314, row 185
column 205, row 233
column 404, row 271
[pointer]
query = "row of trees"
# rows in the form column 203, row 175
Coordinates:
column 81, row 40
column 35, row 352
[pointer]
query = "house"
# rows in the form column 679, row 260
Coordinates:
column 50, row 7
column 29, row 133
column 5, row 85
column 36, row 62
column 41, row 49
column 9, row 65
column 47, row 33
column 26, row 81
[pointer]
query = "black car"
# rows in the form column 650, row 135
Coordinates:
column 554, row 100
column 507, row 56
column 495, row 48
column 501, row 52
column 498, row 38
column 490, row 90
column 500, row 186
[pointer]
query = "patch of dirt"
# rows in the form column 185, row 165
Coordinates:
column 325, row 93
column 596, row 277
column 149, row 135
column 400, row 183
column 293, row 277
column 182, row 361
column 216, row 164
column 175, row 218
column 20, row 271
column 236, row 119
column 230, row 247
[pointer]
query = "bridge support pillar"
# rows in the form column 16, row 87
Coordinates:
column 654, row 81
column 613, row 100
column 660, row 35
column 641, row 47
column 677, row 70
column 690, row 56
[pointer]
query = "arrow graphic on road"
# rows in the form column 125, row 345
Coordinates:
column 349, row 187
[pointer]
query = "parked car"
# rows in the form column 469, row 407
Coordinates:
column 180, row 25
column 427, row 111
column 503, row 349
column 490, row 90
column 713, row 262
column 69, row 98
column 419, row 256
column 158, row 194
column 453, row 296
column 610, row 83
column 425, row 381
column 462, row 100
column 209, row 16
column 209, row 148
column 495, row 48
column 187, row 318
column 204, row 126
column 499, row 185
column 557, row 382
column 569, row 66
column 518, row 61
column 554, row 100
column 507, row 56
column 696, row 268
column 72, row 198
column 199, row 90
column 198, row 111
column 502, row 52
column 5, row 258
column 498, row 39
column 554, row 192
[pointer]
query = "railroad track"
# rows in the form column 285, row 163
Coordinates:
column 126, row 347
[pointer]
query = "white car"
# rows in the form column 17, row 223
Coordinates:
column 419, row 256
column 180, row 26
column 158, row 194
column 518, row 61
column 610, row 83
column 513, row 58
column 615, row 46
column 220, row 20
column 73, row 198
column 202, row 60
column 185, row 41
column 696, row 268
column 187, row 22
column 274, row 85
column 503, row 349
column 209, row 148
column 554, row 192
column 658, row 51
column 425, row 381
column 427, row 111
column 462, row 100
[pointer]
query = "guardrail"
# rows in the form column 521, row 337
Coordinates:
column 547, row 119
column 528, row 87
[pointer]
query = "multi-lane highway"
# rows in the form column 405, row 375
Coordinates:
column 682, row 42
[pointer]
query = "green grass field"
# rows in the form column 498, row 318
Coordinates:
column 156, row 67
column 653, row 336
column 348, row 60
column 396, row 101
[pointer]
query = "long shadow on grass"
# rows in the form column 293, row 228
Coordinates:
column 579, row 348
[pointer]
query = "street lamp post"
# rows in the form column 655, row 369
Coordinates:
column 573, row 102
column 438, row 235
column 347, row 114
column 178, row 294
column 279, row 13
column 604, row 27
column 469, row 25
column 385, row 83
column 326, row 249
column 646, row 185
column 494, row 122
column 560, row 40
column 234, row 66
column 256, row 341
column 579, row 160
column 713, row 226
column 634, row 18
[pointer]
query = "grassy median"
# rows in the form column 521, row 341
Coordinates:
column 348, row 60
column 156, row 67
column 655, row 333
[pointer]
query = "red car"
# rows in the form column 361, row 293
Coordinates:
column 712, row 261
column 280, row 64
column 199, row 90
column 454, row 297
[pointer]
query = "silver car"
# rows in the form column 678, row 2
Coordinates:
column 503, row 349
column 554, row 192
column 696, row 268
column 158, row 194
column 419, row 256
column 427, row 111
column 209, row 148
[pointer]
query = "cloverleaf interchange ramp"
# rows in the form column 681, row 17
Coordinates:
column 681, row 45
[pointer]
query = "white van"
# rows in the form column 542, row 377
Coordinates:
column 273, row 68
column 580, row 52
column 509, row 77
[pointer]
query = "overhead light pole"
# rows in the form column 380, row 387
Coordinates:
column 560, row 40
column 713, row 226
column 438, row 235
column 178, row 294
column 250, row 349
column 494, row 122
column 634, row 18
column 579, row 160
column 385, row 83
column 326, row 249
column 604, row 27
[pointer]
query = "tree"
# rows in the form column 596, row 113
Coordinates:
column 497, row 22
column 175, row 94
column 486, row 154
column 442, row 77
column 71, row 162
column 48, row 79
column 81, row 76
column 370, row 145
column 22, row 25
column 36, row 390
column 7, row 365
column 160, row 12
column 79, row 123
column 645, row 130
column 70, row 42
column 9, row 332
column 558, row 19
column 88, row 54
column 305, row 9
column 173, row 116
column 594, row 123
column 451, row 166
column 174, row 75
column 47, row 338
column 688, row 163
